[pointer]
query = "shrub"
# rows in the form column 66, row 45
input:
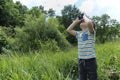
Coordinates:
column 3, row 40
column 38, row 32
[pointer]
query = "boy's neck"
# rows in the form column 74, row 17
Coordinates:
column 84, row 30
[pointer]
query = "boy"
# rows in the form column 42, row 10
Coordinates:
column 86, row 47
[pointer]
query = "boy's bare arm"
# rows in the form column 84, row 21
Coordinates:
column 89, row 23
column 70, row 28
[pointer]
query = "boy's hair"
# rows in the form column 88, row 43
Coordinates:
column 94, row 26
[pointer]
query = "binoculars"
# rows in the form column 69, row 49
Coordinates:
column 81, row 16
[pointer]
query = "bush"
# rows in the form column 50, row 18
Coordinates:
column 3, row 40
column 38, row 32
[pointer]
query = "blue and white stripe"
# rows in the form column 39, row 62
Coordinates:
column 86, row 44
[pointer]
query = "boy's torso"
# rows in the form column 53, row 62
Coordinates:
column 86, row 44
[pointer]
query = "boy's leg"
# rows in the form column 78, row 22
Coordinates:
column 82, row 70
column 92, row 69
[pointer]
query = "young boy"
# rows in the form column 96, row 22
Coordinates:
column 86, row 48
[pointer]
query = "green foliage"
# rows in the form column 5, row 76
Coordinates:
column 3, row 40
column 35, row 11
column 69, row 13
column 16, row 14
column 57, row 66
column 9, row 15
column 12, row 14
column 107, row 28
column 23, row 10
column 40, row 34
column 108, row 57
column 51, row 12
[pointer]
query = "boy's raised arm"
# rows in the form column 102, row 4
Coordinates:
column 70, row 28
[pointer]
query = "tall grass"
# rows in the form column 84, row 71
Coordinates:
column 108, row 59
column 58, row 65
column 37, row 66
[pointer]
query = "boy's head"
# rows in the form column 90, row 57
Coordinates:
column 83, row 24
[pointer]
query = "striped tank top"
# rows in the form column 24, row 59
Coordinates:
column 86, row 44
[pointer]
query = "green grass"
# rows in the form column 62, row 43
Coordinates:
column 57, row 66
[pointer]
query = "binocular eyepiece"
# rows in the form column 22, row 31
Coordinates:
column 81, row 16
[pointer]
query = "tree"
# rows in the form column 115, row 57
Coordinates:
column 9, row 15
column 41, row 8
column 22, row 8
column 51, row 13
column 22, row 11
column 106, row 28
column 69, row 13
column 36, row 11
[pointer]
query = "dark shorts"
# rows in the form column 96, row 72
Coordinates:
column 87, row 69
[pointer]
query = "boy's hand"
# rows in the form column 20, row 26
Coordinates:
column 78, row 21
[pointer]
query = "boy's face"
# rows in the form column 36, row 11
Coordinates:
column 83, row 25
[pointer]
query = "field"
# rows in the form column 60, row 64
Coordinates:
column 58, row 65
column 34, row 43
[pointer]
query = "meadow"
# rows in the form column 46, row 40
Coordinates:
column 34, row 44
column 61, row 65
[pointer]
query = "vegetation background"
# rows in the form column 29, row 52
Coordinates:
column 34, row 44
